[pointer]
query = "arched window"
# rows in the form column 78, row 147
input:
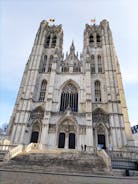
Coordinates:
column 37, row 113
column 50, row 63
column 91, row 39
column 98, row 38
column 43, row 64
column 65, row 68
column 69, row 98
column 97, row 91
column 54, row 40
column 99, row 64
column 92, row 64
column 47, row 42
column 42, row 91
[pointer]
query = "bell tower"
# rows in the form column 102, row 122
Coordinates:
column 40, row 71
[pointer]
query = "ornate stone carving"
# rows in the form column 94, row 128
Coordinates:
column 100, row 129
column 67, row 127
column 52, row 128
column 82, row 129
column 99, row 116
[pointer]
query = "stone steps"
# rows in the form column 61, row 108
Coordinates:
column 65, row 162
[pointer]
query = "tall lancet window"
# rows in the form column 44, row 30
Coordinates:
column 98, row 38
column 100, row 70
column 69, row 98
column 42, row 91
column 43, row 64
column 54, row 40
column 47, row 42
column 92, row 64
column 97, row 91
column 50, row 63
column 91, row 39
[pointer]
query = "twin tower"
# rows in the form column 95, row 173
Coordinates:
column 66, row 102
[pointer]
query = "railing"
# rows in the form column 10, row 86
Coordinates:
column 15, row 151
column 7, row 147
column 91, row 149
column 124, row 164
column 123, row 155
column 32, row 146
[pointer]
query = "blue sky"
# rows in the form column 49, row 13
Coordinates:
column 19, row 22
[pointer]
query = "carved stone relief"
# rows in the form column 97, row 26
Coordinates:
column 82, row 129
column 52, row 128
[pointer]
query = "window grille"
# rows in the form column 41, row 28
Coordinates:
column 97, row 91
column 42, row 91
column 69, row 98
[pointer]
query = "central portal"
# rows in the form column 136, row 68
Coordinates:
column 67, row 135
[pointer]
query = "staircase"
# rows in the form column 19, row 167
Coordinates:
column 58, row 161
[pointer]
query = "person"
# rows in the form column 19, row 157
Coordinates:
column 85, row 146
column 81, row 147
column 127, row 172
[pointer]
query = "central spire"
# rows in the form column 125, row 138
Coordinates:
column 72, row 47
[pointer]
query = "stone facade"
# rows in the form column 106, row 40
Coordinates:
column 69, row 101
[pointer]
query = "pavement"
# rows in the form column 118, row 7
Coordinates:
column 24, row 177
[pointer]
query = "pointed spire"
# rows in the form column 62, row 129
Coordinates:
column 72, row 47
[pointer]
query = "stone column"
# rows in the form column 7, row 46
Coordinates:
column 66, row 141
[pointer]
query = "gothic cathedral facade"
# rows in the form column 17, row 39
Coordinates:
column 66, row 102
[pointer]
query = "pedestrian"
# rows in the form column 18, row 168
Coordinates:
column 81, row 147
column 85, row 146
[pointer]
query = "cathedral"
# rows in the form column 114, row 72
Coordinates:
column 71, row 101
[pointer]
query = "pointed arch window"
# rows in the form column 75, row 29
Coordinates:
column 43, row 64
column 76, row 67
column 98, row 38
column 91, row 39
column 100, row 70
column 92, row 64
column 69, row 98
column 97, row 91
column 65, row 68
column 54, row 40
column 42, row 91
column 47, row 42
column 50, row 63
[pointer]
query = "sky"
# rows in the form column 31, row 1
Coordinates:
column 19, row 22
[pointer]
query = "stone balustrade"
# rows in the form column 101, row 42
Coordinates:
column 32, row 146
column 7, row 147
column 105, row 157
column 15, row 151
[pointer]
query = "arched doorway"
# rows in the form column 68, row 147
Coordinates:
column 71, row 140
column 34, row 137
column 101, row 141
column 35, row 133
column 61, row 141
column 67, row 135
column 101, row 131
column 101, row 138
